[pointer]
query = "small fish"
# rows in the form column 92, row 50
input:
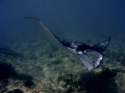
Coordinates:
column 90, row 56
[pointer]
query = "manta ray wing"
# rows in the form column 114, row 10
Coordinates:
column 102, row 46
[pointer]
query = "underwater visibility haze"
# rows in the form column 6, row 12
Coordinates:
column 62, row 46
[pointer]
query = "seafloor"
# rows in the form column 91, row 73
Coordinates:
column 47, row 67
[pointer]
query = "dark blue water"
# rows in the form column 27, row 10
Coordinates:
column 80, row 20
column 89, row 21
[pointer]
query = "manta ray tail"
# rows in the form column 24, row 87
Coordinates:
column 63, row 42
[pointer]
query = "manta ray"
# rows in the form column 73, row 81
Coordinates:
column 90, row 55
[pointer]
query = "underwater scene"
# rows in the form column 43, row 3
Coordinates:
column 62, row 46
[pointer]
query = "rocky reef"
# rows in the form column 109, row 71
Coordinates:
column 53, row 69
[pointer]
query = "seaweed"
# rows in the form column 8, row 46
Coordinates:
column 7, row 73
column 91, row 82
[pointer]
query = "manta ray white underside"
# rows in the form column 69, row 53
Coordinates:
column 91, row 59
